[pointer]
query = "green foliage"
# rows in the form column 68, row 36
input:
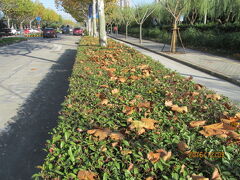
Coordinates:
column 11, row 40
column 72, row 148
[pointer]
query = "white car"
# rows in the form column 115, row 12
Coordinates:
column 13, row 31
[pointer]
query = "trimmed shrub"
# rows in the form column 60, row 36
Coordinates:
column 128, row 117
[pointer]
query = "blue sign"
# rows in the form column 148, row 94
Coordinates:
column 90, row 10
column 38, row 18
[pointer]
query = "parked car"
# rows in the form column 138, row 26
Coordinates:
column 49, row 32
column 26, row 31
column 65, row 30
column 78, row 32
column 5, row 32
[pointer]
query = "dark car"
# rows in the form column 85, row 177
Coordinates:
column 78, row 31
column 49, row 32
column 66, row 30
column 5, row 32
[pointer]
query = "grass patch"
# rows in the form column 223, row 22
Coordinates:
column 11, row 40
column 128, row 117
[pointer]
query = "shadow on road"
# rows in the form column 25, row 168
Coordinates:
column 21, row 148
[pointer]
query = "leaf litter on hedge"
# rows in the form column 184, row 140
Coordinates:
column 128, row 117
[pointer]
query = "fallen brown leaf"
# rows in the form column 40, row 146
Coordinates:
column 126, row 152
column 100, row 133
column 130, row 167
column 197, row 123
column 104, row 102
column 168, row 103
column 213, row 96
column 182, row 109
column 116, row 136
column 216, row 175
column 183, row 147
column 86, row 175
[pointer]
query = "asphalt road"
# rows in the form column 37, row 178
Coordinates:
column 218, row 85
column 33, row 83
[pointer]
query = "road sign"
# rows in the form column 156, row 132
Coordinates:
column 90, row 10
column 38, row 18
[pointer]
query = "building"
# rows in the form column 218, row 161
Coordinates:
column 124, row 3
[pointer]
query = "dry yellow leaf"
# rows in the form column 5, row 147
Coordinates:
column 213, row 96
column 116, row 136
column 216, row 175
column 153, row 157
column 238, row 115
column 144, row 105
column 104, row 86
column 164, row 154
column 100, row 133
column 168, row 103
column 182, row 109
column 126, row 152
column 197, row 123
column 104, row 102
column 86, row 175
column 122, row 79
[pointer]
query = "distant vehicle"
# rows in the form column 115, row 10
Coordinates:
column 78, row 32
column 49, row 32
column 66, row 30
column 5, row 32
column 13, row 31
column 26, row 31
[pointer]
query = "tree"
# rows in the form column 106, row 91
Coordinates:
column 102, row 24
column 141, row 13
column 176, row 8
column 127, row 18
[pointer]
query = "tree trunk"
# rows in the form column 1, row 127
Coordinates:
column 89, row 26
column 140, row 35
column 174, row 38
column 30, row 24
column 111, row 29
column 94, row 19
column 205, row 18
column 102, row 24
column 8, row 22
column 126, row 36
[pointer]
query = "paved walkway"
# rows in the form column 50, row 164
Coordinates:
column 221, row 67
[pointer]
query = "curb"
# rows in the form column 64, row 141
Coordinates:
column 213, row 73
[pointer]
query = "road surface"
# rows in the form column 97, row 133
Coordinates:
column 33, row 83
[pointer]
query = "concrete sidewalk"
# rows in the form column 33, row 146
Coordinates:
column 221, row 67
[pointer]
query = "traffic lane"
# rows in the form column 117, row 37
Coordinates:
column 23, row 66
column 22, row 143
column 219, row 85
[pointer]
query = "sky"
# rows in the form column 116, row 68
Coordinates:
column 51, row 4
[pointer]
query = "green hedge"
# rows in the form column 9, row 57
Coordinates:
column 11, row 40
column 101, row 131
column 226, row 43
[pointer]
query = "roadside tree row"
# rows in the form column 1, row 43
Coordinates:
column 20, row 13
